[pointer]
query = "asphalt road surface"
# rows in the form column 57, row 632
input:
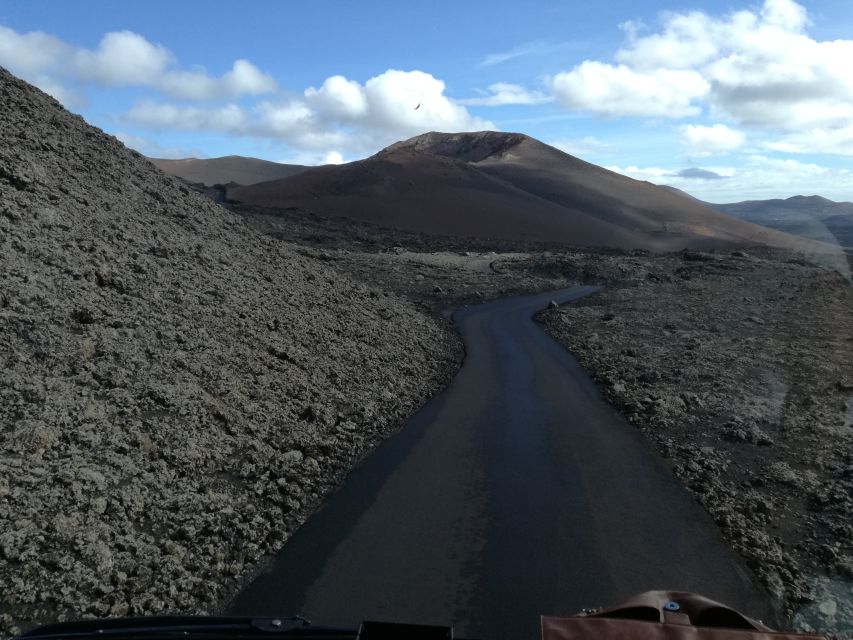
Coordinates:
column 516, row 492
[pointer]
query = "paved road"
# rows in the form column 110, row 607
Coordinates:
column 516, row 492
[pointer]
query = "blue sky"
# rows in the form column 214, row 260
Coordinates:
column 728, row 101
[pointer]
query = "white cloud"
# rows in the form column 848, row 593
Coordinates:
column 30, row 54
column 122, row 58
column 284, row 118
column 611, row 90
column 229, row 118
column 784, row 14
column 503, row 93
column 333, row 157
column 824, row 141
column 393, row 98
column 684, row 43
column 244, row 78
column 703, row 141
column 338, row 98
column 341, row 116
column 757, row 68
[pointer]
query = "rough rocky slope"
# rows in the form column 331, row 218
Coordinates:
column 176, row 390
column 740, row 368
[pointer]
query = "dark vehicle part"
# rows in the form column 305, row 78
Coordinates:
column 653, row 615
column 229, row 628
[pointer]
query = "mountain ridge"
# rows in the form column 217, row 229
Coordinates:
column 232, row 168
column 813, row 217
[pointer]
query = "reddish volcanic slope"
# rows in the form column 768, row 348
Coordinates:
column 509, row 186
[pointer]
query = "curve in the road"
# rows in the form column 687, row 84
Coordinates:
column 516, row 492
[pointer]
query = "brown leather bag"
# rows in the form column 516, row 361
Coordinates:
column 664, row 615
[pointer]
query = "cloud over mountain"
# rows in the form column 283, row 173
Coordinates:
column 341, row 115
column 756, row 68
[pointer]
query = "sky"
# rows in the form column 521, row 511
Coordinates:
column 728, row 100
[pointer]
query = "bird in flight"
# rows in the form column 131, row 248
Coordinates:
column 418, row 107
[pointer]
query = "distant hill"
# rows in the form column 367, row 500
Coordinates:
column 239, row 169
column 507, row 186
column 807, row 216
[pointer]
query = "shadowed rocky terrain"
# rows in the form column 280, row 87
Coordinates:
column 177, row 390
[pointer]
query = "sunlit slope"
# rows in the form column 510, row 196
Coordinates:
column 239, row 169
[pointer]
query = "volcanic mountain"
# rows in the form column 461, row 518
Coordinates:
column 239, row 169
column 808, row 216
column 509, row 186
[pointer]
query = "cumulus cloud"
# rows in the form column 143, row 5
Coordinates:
column 311, row 158
column 30, row 54
column 394, row 96
column 757, row 68
column 338, row 98
column 342, row 115
column 821, row 141
column 122, row 58
column 244, row 78
column 784, row 14
column 229, row 118
column 683, row 43
column 503, row 93
column 619, row 90
column 700, row 140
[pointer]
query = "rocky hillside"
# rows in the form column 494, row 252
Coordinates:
column 177, row 390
